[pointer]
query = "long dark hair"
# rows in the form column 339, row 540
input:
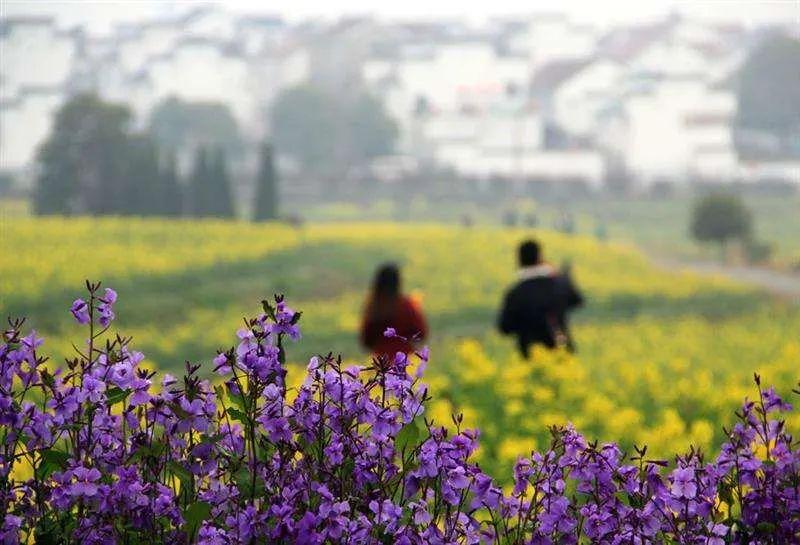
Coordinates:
column 386, row 289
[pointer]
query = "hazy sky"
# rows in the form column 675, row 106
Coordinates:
column 101, row 15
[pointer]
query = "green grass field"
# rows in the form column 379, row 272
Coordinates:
column 658, row 225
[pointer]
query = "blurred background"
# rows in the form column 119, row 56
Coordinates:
column 399, row 113
column 199, row 156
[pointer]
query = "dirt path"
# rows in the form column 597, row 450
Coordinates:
column 782, row 284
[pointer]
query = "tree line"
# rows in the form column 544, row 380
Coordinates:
column 94, row 163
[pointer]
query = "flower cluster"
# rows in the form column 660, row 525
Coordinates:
column 96, row 453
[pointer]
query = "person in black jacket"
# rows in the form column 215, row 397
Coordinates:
column 535, row 309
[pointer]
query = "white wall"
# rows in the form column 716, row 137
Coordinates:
column 200, row 72
column 23, row 128
column 134, row 52
column 756, row 171
column 556, row 38
column 679, row 130
column 212, row 22
column 586, row 165
column 672, row 58
column 719, row 165
column 503, row 143
column 34, row 55
column 578, row 101
column 655, row 145
column 459, row 74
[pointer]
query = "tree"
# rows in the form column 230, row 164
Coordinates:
column 199, row 185
column 171, row 194
column 304, row 123
column 769, row 87
column 720, row 217
column 373, row 133
column 181, row 125
column 81, row 164
column 323, row 131
column 141, row 180
column 266, row 207
column 221, row 203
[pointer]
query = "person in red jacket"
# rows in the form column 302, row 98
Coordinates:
column 387, row 307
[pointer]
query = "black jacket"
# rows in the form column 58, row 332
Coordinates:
column 535, row 311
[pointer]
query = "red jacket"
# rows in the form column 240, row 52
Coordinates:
column 408, row 321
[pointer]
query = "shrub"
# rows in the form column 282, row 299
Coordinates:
column 719, row 217
column 348, row 457
column 757, row 251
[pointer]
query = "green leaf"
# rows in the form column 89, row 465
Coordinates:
column 237, row 400
column 51, row 461
column 765, row 527
column 153, row 451
column 116, row 395
column 219, row 391
column 236, row 414
column 195, row 514
column 212, row 439
column 243, row 479
column 407, row 437
column 178, row 410
column 183, row 474
column 725, row 494
column 264, row 451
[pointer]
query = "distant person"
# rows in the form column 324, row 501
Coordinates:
column 388, row 307
column 535, row 309
column 566, row 223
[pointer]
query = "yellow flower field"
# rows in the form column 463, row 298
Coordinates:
column 663, row 359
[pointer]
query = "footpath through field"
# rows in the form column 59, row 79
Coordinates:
column 782, row 284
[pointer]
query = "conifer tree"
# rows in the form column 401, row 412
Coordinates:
column 266, row 201
column 199, row 185
column 220, row 188
column 140, row 183
column 171, row 192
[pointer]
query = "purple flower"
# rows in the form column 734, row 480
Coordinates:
column 326, row 467
column 140, row 394
column 93, row 390
column 9, row 533
column 387, row 514
column 80, row 310
column 457, row 478
column 773, row 402
column 221, row 365
column 334, row 452
column 122, row 374
column 683, row 483
column 106, row 315
column 110, row 297
column 85, row 482
column 32, row 341
column 211, row 535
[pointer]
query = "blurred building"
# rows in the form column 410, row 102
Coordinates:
column 38, row 61
column 536, row 97
column 207, row 54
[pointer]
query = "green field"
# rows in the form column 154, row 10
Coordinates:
column 657, row 225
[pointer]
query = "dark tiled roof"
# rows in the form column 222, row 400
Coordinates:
column 625, row 43
column 551, row 75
